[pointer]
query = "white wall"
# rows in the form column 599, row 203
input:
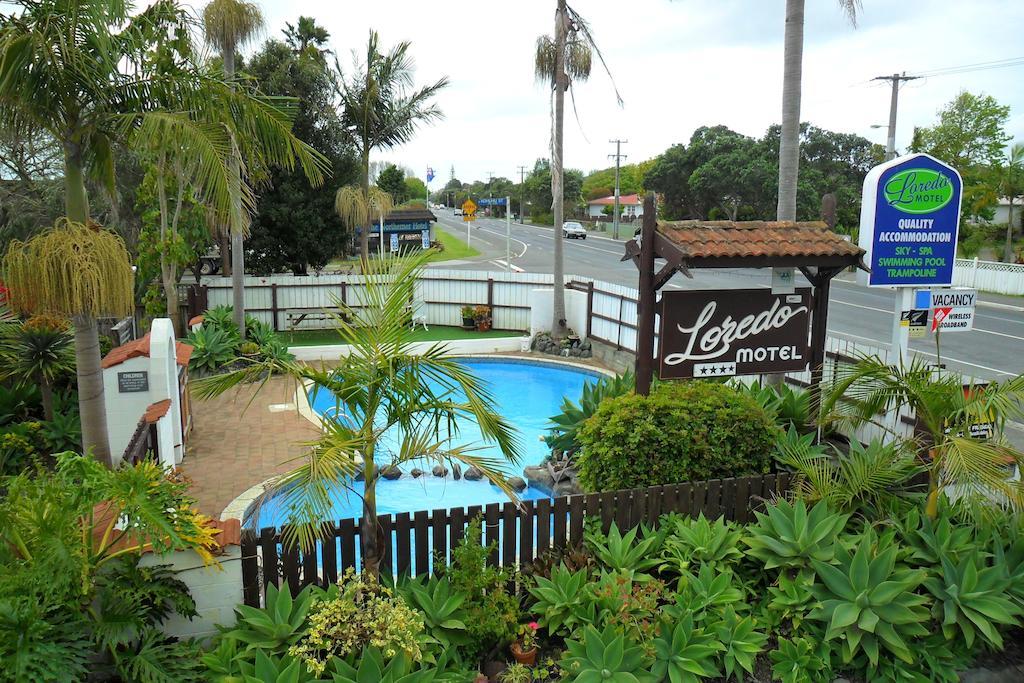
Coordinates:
column 216, row 591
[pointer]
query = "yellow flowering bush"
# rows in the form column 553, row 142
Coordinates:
column 363, row 612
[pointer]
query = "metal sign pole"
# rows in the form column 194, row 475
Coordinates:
column 508, row 233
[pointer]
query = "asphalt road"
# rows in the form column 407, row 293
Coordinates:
column 994, row 349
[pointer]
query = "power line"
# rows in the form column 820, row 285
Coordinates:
column 969, row 68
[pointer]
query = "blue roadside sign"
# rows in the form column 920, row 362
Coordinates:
column 909, row 222
column 491, row 201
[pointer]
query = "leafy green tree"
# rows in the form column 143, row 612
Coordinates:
column 602, row 183
column 307, row 39
column 392, row 181
column 382, row 384
column 538, row 186
column 63, row 71
column 1011, row 186
column 295, row 226
column 380, row 110
column 415, row 189
column 970, row 136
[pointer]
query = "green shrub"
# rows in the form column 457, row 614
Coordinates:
column 212, row 348
column 363, row 612
column 565, row 427
column 681, row 432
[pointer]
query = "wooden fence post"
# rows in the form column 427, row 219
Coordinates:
column 590, row 308
column 273, row 305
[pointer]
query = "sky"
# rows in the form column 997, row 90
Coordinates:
column 677, row 64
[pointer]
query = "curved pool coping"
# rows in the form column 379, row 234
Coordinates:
column 237, row 508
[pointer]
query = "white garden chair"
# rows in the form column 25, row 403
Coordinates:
column 419, row 314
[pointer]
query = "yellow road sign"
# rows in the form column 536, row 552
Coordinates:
column 468, row 208
column 468, row 217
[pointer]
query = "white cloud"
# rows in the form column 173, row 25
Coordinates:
column 678, row 65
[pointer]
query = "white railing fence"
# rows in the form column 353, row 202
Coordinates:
column 989, row 276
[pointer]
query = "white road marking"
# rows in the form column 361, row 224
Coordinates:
column 504, row 264
column 879, row 344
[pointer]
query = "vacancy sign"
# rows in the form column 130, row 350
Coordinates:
column 952, row 310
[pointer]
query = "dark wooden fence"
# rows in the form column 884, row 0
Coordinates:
column 143, row 444
column 414, row 543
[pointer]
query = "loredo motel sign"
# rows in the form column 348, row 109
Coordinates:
column 909, row 221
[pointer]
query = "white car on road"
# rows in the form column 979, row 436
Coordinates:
column 572, row 229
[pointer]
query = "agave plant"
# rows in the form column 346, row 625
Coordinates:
column 372, row 666
column 796, row 661
column 441, row 605
column 694, row 542
column 742, row 642
column 791, row 537
column 278, row 625
column 559, row 599
column 625, row 552
column 706, row 595
column 932, row 540
column 683, row 653
column 869, row 603
column 567, row 423
column 605, row 656
column 971, row 599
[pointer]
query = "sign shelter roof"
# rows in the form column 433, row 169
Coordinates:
column 819, row 253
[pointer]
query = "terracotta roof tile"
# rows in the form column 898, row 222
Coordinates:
column 156, row 410
column 624, row 200
column 765, row 239
column 229, row 530
column 139, row 348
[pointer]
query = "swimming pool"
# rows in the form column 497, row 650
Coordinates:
column 526, row 392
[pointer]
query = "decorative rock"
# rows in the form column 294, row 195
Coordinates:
column 539, row 477
column 516, row 483
column 474, row 474
column 416, row 473
column 439, row 471
column 391, row 473
column 456, row 471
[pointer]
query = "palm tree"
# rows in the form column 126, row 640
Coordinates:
column 63, row 71
column 382, row 386
column 1012, row 186
column 306, row 39
column 380, row 111
column 228, row 26
column 560, row 61
column 38, row 351
column 946, row 411
column 789, row 142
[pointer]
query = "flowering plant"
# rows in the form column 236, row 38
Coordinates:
column 528, row 636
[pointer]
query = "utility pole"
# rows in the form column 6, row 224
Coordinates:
column 522, row 195
column 896, row 79
column 619, row 156
column 490, row 177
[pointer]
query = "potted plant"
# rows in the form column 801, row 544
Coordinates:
column 468, row 318
column 482, row 316
column 525, row 648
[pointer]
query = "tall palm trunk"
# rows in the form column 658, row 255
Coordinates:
column 1008, row 248
column 364, row 231
column 92, row 409
column 789, row 143
column 237, row 240
column 370, row 532
column 557, row 195
column 46, row 394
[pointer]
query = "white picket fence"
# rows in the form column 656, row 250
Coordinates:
column 989, row 276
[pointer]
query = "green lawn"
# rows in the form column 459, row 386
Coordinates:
column 454, row 248
column 435, row 333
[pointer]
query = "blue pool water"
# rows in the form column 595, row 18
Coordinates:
column 527, row 393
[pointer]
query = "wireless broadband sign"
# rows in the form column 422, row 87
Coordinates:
column 732, row 332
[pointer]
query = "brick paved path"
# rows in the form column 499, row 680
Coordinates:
column 234, row 447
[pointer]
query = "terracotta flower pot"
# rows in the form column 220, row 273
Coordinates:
column 483, row 325
column 527, row 657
